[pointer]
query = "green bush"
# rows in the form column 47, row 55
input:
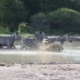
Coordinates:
column 39, row 22
column 24, row 28
column 4, row 30
column 64, row 20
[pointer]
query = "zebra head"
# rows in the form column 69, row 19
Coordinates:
column 16, row 36
column 37, row 34
column 65, row 37
column 43, row 36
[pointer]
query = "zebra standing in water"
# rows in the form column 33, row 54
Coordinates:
column 27, row 43
column 62, row 39
column 55, row 43
column 9, row 40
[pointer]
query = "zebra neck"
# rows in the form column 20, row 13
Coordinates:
column 12, row 38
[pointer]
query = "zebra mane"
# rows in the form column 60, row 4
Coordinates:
column 12, row 35
column 15, row 33
column 43, row 35
column 37, row 34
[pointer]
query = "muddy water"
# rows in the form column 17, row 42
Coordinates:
column 71, row 53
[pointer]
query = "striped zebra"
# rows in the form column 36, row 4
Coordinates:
column 36, row 34
column 42, row 37
column 74, row 38
column 28, row 43
column 33, row 43
column 9, row 40
column 62, row 39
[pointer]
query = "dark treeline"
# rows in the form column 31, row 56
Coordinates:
column 56, row 16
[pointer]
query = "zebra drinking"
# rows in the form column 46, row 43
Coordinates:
column 9, row 40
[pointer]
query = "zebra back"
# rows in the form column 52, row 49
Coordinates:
column 62, row 39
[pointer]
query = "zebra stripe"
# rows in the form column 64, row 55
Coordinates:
column 8, row 40
column 27, row 43
column 61, row 39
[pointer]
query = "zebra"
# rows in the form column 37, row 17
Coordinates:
column 62, row 39
column 33, row 43
column 74, row 38
column 57, row 42
column 28, row 43
column 9, row 40
column 36, row 34
column 42, row 37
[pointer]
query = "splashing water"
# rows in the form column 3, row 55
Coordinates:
column 71, row 53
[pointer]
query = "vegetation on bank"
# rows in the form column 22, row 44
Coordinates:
column 52, row 16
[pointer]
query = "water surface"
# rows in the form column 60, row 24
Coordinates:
column 71, row 53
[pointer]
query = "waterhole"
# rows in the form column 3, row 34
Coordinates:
column 71, row 53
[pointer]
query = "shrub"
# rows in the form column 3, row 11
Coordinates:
column 64, row 20
column 39, row 22
column 24, row 27
column 4, row 30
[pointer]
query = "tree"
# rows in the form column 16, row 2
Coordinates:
column 32, row 7
column 64, row 19
column 39, row 22
column 11, row 13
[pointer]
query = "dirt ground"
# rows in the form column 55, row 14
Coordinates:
column 40, row 71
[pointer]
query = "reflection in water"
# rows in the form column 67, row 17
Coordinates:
column 71, row 53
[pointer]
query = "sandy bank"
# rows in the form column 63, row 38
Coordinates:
column 40, row 72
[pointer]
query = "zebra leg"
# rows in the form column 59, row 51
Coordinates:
column 1, row 46
column 14, row 47
column 27, row 47
column 22, row 47
column 10, row 47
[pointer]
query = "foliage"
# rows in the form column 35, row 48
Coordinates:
column 64, row 13
column 4, row 30
column 64, row 19
column 23, row 27
column 32, row 7
column 39, row 22
column 11, row 12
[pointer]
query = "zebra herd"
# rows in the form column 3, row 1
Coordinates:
column 33, row 42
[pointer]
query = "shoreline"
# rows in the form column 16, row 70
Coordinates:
column 41, row 63
column 40, row 71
